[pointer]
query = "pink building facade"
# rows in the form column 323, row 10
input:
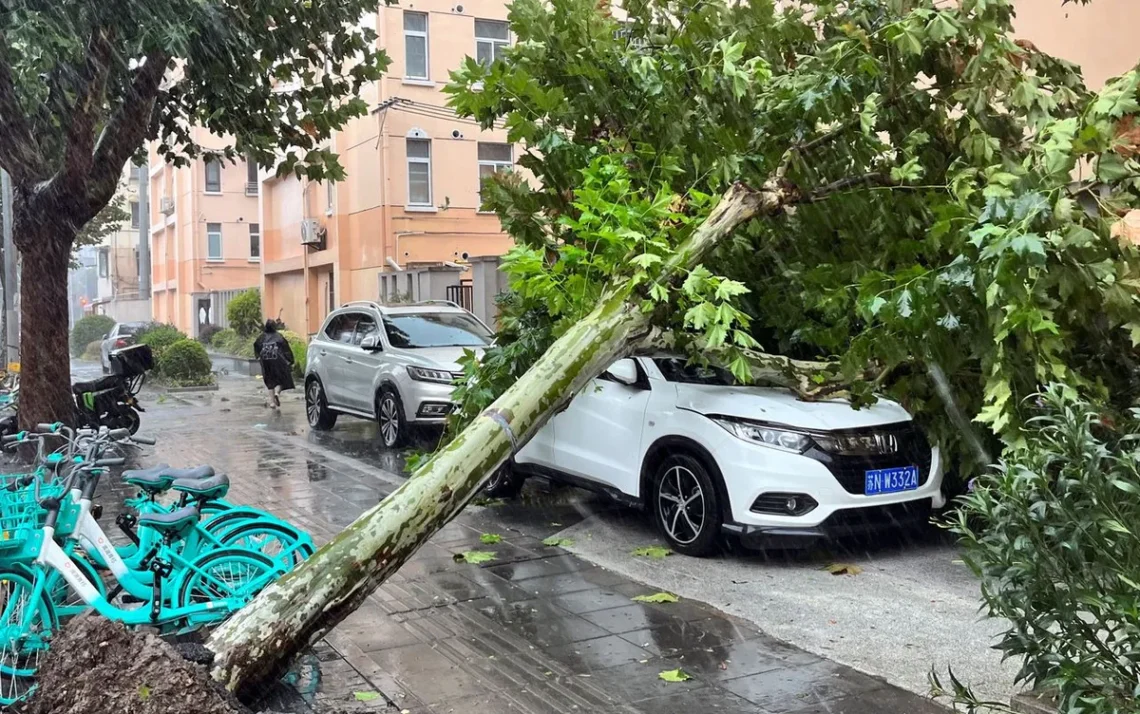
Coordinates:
column 205, row 237
column 411, row 197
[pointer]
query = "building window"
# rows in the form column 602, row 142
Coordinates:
column 415, row 45
column 213, row 177
column 254, row 241
column 331, row 297
column 419, row 172
column 104, row 268
column 330, row 196
column 251, row 180
column 493, row 158
column 134, row 214
column 492, row 38
column 213, row 241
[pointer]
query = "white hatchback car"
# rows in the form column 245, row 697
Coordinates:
column 706, row 456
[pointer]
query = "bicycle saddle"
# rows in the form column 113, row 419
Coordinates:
column 159, row 478
column 175, row 523
column 207, row 489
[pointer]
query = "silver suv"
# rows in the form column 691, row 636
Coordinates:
column 394, row 364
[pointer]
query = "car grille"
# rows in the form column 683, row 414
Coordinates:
column 850, row 469
column 877, row 518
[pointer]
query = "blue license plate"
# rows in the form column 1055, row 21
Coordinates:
column 879, row 481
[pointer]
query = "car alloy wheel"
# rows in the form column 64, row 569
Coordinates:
column 389, row 418
column 681, row 504
column 313, row 403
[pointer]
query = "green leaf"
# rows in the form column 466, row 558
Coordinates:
column 490, row 538
column 654, row 552
column 144, row 692
column 474, row 557
column 1110, row 167
column 658, row 292
column 657, row 597
column 645, row 260
column 843, row 569
column 555, row 541
column 869, row 115
column 366, row 696
column 674, row 675
column 941, row 27
column 729, row 289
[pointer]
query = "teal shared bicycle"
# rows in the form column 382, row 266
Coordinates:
column 180, row 576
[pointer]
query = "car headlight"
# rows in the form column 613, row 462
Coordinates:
column 782, row 439
column 423, row 374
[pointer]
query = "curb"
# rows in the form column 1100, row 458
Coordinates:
column 1033, row 702
column 202, row 388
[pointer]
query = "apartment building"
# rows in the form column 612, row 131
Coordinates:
column 205, row 236
column 1098, row 36
column 410, row 202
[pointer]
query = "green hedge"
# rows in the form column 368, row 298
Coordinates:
column 244, row 312
column 185, row 362
column 229, row 342
column 159, row 337
column 300, row 347
column 88, row 330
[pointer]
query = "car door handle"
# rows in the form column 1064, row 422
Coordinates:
column 323, row 353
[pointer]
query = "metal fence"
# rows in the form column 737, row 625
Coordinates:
column 463, row 294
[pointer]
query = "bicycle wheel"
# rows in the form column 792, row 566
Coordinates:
column 284, row 544
column 224, row 574
column 229, row 518
column 25, row 627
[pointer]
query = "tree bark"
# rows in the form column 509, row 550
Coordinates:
column 45, row 363
column 259, row 641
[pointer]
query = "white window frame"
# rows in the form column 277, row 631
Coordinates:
column 206, row 178
column 427, row 47
column 496, row 165
column 254, row 258
column 221, row 247
column 252, row 178
column 330, row 196
column 136, row 214
column 497, row 45
column 417, row 160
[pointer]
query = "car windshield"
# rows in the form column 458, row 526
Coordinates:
column 435, row 329
column 678, row 370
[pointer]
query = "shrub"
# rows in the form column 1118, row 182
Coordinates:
column 185, row 361
column 160, row 336
column 222, row 338
column 244, row 312
column 88, row 330
column 229, row 342
column 94, row 350
column 1054, row 535
column 300, row 347
column 206, row 333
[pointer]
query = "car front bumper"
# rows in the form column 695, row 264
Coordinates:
column 751, row 471
column 426, row 402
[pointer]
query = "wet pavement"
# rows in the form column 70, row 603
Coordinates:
column 535, row 630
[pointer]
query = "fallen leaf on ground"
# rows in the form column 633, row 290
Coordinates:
column 674, row 675
column 556, row 525
column 144, row 692
column 490, row 538
column 366, row 696
column 723, row 665
column 474, row 557
column 556, row 541
column 652, row 551
column 843, row 569
column 657, row 597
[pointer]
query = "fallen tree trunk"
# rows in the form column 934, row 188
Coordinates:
column 260, row 640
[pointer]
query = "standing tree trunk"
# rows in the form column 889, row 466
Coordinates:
column 260, row 640
column 45, row 363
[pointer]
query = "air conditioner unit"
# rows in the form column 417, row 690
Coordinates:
column 312, row 233
column 166, row 205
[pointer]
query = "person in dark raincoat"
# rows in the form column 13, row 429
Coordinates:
column 276, row 357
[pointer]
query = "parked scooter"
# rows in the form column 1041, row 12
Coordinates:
column 111, row 401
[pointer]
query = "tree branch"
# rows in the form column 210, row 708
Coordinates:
column 875, row 178
column 85, row 111
column 125, row 131
column 807, row 146
column 19, row 151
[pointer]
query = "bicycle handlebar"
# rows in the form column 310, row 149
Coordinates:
column 111, row 461
column 148, row 440
column 45, row 428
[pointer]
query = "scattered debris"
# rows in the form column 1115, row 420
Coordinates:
column 843, row 569
column 657, row 597
column 474, row 557
column 654, row 552
column 490, row 538
column 674, row 675
column 558, row 542
column 366, row 696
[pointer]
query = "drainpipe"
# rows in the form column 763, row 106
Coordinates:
column 144, row 229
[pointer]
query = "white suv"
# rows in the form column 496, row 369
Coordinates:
column 394, row 364
column 706, row 457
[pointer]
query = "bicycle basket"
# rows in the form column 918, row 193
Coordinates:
column 20, row 517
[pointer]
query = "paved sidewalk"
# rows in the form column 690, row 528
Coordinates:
column 536, row 630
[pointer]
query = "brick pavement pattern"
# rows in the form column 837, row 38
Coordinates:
column 535, row 631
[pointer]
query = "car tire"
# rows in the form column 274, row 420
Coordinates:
column 694, row 528
column 390, row 418
column 317, row 411
column 506, row 482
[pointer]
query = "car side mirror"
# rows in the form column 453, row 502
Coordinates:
column 624, row 371
column 106, row 335
column 371, row 343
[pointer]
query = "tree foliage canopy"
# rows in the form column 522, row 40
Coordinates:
column 83, row 84
column 940, row 251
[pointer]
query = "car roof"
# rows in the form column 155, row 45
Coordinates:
column 415, row 308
